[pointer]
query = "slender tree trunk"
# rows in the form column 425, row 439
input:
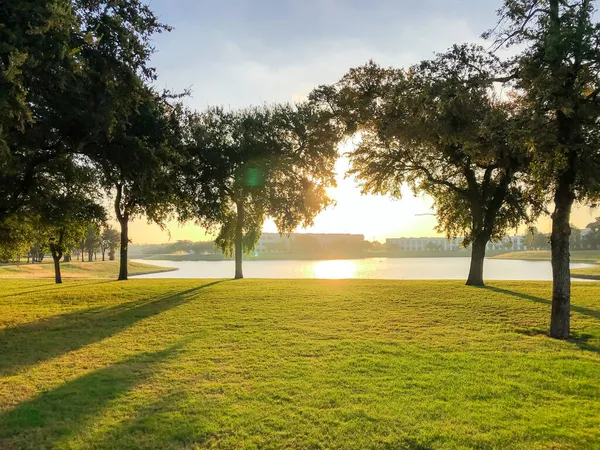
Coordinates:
column 123, row 274
column 560, row 321
column 103, row 253
column 57, row 274
column 477, row 258
column 123, row 218
column 239, row 240
column 57, row 253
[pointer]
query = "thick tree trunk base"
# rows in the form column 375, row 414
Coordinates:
column 478, row 282
column 560, row 321
column 475, row 277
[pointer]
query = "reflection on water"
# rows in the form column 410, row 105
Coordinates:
column 334, row 269
column 370, row 268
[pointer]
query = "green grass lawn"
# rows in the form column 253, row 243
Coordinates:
column 583, row 256
column 182, row 364
column 94, row 269
column 592, row 273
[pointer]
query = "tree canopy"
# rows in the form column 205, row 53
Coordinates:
column 249, row 165
column 440, row 128
column 557, row 74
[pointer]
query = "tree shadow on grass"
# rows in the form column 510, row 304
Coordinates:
column 54, row 287
column 61, row 413
column 580, row 309
column 579, row 339
column 28, row 344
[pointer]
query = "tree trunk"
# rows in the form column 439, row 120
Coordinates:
column 560, row 321
column 477, row 257
column 57, row 275
column 103, row 253
column 239, row 240
column 123, row 274
column 57, row 251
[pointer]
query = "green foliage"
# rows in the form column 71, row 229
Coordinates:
column 17, row 235
column 557, row 74
column 592, row 239
column 438, row 128
column 138, row 160
column 69, row 74
column 109, row 241
column 270, row 162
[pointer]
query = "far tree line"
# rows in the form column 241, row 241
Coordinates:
column 495, row 141
column 91, row 243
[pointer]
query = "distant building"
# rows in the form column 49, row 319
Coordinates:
column 309, row 243
column 273, row 243
column 442, row 244
column 424, row 244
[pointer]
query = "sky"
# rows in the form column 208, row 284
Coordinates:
column 237, row 53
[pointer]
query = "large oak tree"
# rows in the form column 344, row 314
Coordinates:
column 138, row 163
column 558, row 74
column 440, row 128
column 249, row 165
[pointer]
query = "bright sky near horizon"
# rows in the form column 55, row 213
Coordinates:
column 242, row 52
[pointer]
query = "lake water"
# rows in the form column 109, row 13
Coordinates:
column 370, row 268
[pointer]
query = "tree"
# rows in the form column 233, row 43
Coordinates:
column 66, row 206
column 92, row 239
column 67, row 219
column 249, row 165
column 576, row 239
column 558, row 76
column 109, row 241
column 592, row 239
column 138, row 162
column 438, row 128
column 36, row 62
column 69, row 70
column 18, row 234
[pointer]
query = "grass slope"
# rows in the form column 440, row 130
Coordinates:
column 588, row 273
column 583, row 256
column 96, row 269
column 174, row 364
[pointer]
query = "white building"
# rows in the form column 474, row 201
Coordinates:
column 424, row 244
column 273, row 243
column 276, row 243
column 442, row 244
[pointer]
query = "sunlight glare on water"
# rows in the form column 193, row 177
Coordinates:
column 334, row 269
column 449, row 268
